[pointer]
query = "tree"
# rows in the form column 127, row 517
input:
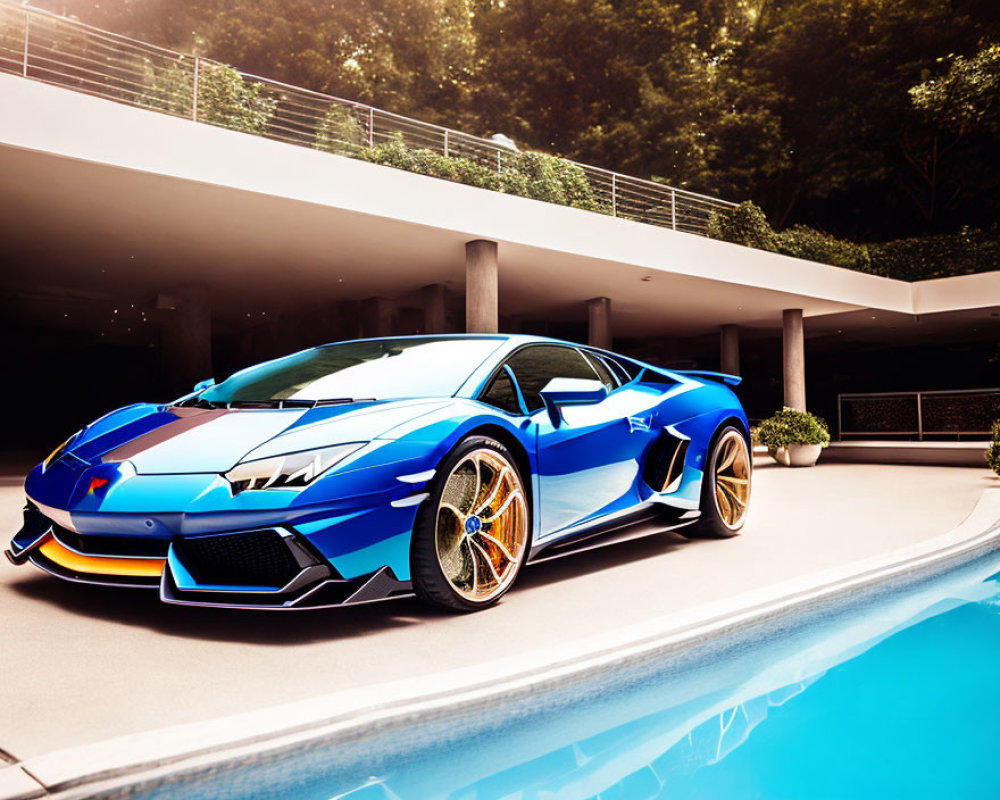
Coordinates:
column 410, row 56
column 967, row 97
column 804, row 106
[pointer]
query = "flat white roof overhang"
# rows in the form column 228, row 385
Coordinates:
column 104, row 195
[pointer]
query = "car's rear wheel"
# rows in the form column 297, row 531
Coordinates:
column 725, row 487
column 472, row 533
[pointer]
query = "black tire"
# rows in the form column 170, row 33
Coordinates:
column 713, row 523
column 430, row 582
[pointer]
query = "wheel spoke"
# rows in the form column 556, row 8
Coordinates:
column 510, row 498
column 730, row 480
column 732, row 496
column 475, row 570
column 496, row 488
column 496, row 542
column 486, row 558
column 729, row 456
column 479, row 484
column 453, row 510
column 725, row 509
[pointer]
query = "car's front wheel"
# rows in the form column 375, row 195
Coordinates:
column 471, row 535
column 725, row 487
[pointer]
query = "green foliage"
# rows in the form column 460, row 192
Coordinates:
column 575, row 186
column 542, row 177
column 224, row 97
column 967, row 97
column 411, row 56
column 925, row 257
column 993, row 449
column 169, row 86
column 554, row 180
column 339, row 131
column 395, row 153
column 535, row 175
column 788, row 426
column 808, row 243
column 802, row 105
column 912, row 259
column 746, row 225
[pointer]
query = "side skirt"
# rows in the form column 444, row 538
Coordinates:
column 645, row 522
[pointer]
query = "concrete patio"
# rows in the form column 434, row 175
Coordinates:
column 83, row 664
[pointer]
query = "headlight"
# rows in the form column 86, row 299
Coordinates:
column 54, row 455
column 289, row 471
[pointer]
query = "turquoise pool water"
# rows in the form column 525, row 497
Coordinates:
column 896, row 696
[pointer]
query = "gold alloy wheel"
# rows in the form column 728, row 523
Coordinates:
column 482, row 526
column 732, row 479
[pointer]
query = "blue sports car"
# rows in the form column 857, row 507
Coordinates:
column 377, row 468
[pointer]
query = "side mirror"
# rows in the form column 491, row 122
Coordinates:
column 570, row 391
column 203, row 385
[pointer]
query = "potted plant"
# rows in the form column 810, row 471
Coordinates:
column 793, row 438
column 993, row 449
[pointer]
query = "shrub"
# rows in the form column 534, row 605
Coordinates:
column 579, row 193
column 224, row 97
column 535, row 175
column 168, row 87
column 553, row 180
column 913, row 259
column 789, row 426
column 340, row 132
column 939, row 256
column 745, row 224
column 804, row 242
column 395, row 153
column 543, row 179
column 993, row 449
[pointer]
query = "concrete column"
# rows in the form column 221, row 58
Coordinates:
column 187, row 337
column 376, row 317
column 481, row 303
column 432, row 300
column 599, row 314
column 729, row 341
column 794, row 358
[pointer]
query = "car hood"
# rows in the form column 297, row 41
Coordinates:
column 172, row 440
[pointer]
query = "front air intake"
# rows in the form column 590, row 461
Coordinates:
column 253, row 558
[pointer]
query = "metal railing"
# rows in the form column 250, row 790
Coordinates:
column 960, row 412
column 42, row 46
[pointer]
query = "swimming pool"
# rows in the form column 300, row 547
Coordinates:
column 892, row 694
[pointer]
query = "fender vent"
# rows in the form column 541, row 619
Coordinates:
column 665, row 462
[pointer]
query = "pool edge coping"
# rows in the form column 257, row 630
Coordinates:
column 157, row 754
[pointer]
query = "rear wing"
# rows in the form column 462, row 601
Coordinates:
column 720, row 377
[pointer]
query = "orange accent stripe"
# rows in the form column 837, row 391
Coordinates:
column 56, row 552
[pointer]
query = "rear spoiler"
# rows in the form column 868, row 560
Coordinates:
column 721, row 377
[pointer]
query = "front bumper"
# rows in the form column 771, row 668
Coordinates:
column 263, row 568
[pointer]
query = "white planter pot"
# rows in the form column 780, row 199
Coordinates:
column 797, row 455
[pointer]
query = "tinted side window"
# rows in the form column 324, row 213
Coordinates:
column 624, row 370
column 535, row 366
column 501, row 394
column 602, row 371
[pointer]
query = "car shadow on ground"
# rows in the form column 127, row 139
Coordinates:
column 142, row 607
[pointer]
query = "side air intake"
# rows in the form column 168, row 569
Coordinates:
column 665, row 462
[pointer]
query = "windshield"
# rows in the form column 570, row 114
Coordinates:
column 378, row 369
